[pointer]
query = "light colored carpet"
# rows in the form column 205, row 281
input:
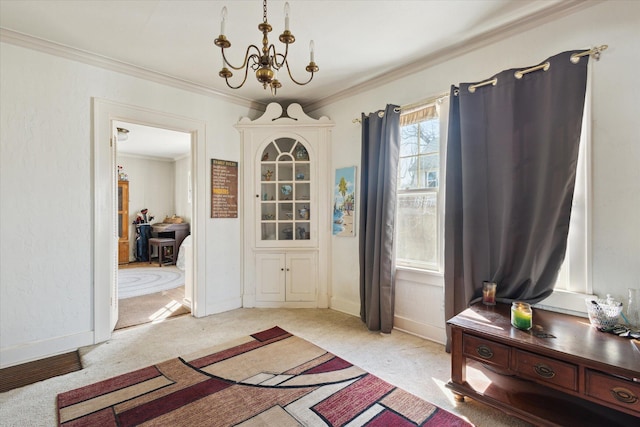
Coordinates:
column 154, row 308
column 134, row 282
column 421, row 367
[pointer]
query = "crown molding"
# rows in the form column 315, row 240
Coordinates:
column 64, row 51
column 552, row 13
column 557, row 11
column 153, row 158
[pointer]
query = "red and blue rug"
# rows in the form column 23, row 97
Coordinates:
column 271, row 378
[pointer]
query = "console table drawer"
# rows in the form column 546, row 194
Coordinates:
column 546, row 370
column 615, row 390
column 485, row 351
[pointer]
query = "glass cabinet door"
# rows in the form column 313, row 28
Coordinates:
column 285, row 197
column 123, row 210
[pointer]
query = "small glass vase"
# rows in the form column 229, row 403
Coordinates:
column 489, row 293
column 633, row 308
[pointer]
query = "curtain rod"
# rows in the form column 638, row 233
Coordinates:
column 575, row 58
column 409, row 107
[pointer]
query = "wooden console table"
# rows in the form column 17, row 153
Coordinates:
column 576, row 376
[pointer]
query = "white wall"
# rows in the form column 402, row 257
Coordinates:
column 182, row 173
column 46, row 211
column 151, row 186
column 616, row 148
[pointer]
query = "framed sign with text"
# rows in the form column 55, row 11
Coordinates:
column 224, row 189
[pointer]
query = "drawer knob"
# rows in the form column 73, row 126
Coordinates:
column 624, row 395
column 484, row 352
column 545, row 371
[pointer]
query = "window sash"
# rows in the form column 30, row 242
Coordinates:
column 423, row 190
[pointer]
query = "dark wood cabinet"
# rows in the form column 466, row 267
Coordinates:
column 562, row 372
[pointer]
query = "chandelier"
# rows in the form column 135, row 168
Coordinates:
column 266, row 62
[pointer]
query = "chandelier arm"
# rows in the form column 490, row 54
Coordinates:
column 246, row 57
column 291, row 77
column 246, row 73
column 276, row 55
column 272, row 54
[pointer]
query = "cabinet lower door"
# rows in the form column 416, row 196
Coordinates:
column 123, row 251
column 270, row 277
column 301, row 277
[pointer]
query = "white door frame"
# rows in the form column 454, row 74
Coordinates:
column 104, row 248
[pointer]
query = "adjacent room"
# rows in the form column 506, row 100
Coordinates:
column 344, row 212
column 153, row 202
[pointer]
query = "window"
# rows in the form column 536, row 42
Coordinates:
column 419, row 222
column 420, row 204
column 574, row 279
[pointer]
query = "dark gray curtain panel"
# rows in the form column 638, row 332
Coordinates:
column 512, row 154
column 378, row 176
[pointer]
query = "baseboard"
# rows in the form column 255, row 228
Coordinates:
column 40, row 349
column 344, row 306
column 248, row 300
column 422, row 330
column 224, row 305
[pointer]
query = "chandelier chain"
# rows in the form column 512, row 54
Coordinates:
column 264, row 11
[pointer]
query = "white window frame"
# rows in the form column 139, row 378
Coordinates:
column 574, row 283
column 433, row 273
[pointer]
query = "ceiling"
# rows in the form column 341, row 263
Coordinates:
column 357, row 43
column 152, row 142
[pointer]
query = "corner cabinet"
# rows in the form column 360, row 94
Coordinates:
column 286, row 192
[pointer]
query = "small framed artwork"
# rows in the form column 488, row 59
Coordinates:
column 344, row 202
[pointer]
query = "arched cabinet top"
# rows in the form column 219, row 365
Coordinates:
column 273, row 116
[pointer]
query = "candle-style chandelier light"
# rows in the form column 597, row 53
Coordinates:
column 266, row 61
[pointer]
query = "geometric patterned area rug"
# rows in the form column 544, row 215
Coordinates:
column 133, row 282
column 271, row 378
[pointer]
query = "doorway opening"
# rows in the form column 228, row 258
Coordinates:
column 105, row 236
column 154, row 213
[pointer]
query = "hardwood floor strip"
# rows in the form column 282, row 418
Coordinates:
column 39, row 370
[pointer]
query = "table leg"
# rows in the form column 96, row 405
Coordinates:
column 458, row 362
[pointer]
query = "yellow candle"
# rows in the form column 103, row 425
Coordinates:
column 521, row 315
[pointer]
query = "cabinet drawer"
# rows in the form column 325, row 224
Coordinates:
column 614, row 390
column 485, row 350
column 546, row 370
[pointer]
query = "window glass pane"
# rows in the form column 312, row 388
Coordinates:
column 285, row 144
column 408, row 177
column 429, row 169
column 417, row 229
column 430, row 136
column 409, row 140
column 418, row 235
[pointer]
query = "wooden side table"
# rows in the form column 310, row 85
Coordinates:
column 562, row 372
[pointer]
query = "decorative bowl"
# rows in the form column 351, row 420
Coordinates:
column 603, row 314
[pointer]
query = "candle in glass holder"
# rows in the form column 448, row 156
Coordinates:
column 521, row 315
column 488, row 293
